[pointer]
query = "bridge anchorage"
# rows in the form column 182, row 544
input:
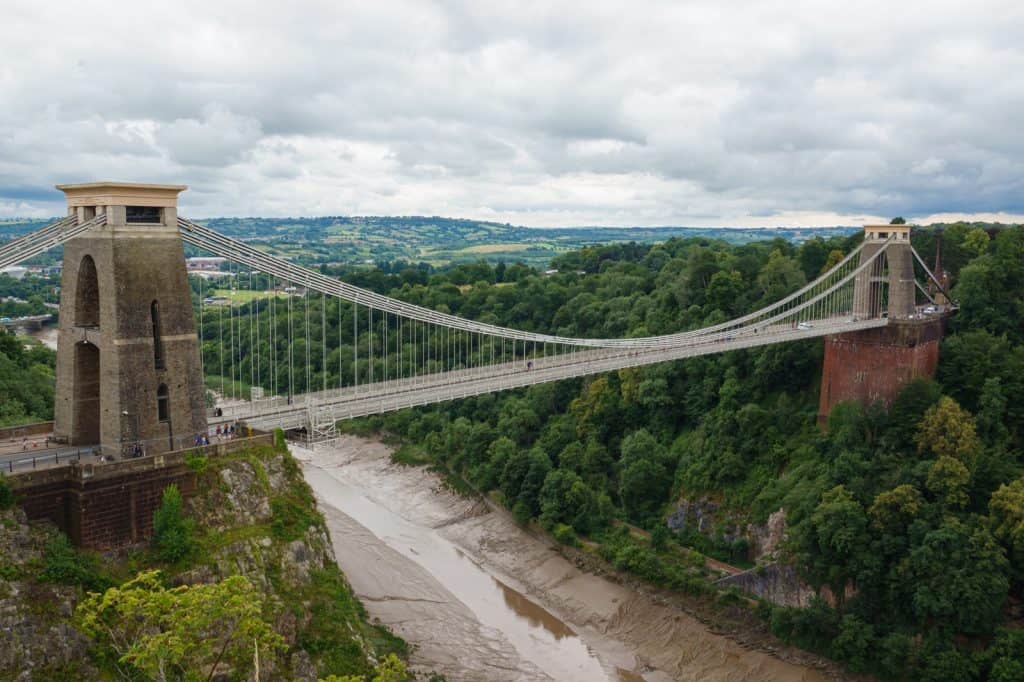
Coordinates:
column 131, row 357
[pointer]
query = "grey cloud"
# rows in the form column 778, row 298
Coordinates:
column 579, row 112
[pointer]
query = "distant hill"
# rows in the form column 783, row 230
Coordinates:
column 352, row 239
column 436, row 240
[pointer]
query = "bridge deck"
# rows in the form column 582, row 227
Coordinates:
column 347, row 403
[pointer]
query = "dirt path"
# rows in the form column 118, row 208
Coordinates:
column 482, row 600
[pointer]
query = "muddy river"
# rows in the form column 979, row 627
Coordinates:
column 48, row 335
column 479, row 599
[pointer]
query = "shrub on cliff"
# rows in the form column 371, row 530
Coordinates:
column 6, row 494
column 172, row 532
column 65, row 565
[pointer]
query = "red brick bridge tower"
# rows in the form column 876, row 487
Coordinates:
column 874, row 364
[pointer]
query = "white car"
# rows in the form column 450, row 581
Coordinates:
column 805, row 325
column 930, row 310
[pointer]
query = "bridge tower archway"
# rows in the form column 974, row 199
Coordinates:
column 117, row 345
column 86, row 415
column 87, row 294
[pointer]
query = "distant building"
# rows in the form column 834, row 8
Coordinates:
column 14, row 271
column 204, row 263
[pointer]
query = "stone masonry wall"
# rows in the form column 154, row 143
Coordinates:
column 104, row 506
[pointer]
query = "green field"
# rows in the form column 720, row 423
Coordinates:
column 240, row 296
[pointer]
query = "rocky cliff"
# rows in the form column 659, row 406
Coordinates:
column 254, row 516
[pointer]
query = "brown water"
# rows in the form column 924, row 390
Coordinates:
column 480, row 599
column 48, row 335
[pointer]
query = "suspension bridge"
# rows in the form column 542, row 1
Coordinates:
column 306, row 350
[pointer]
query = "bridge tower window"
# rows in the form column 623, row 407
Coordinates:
column 163, row 406
column 158, row 346
column 152, row 215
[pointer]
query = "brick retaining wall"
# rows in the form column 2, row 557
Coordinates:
column 107, row 505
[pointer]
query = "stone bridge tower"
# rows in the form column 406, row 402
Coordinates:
column 128, row 369
column 888, row 285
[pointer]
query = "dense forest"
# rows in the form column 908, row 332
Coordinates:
column 26, row 381
column 912, row 515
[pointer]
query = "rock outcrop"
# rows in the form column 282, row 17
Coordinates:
column 255, row 516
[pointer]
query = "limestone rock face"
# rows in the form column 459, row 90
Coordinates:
column 766, row 539
column 34, row 616
column 236, row 507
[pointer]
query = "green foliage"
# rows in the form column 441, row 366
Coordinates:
column 196, row 461
column 565, row 535
column 181, row 632
column 391, row 669
column 334, row 614
column 292, row 515
column 65, row 565
column 6, row 494
column 627, row 553
column 26, row 381
column 173, row 533
column 1006, row 514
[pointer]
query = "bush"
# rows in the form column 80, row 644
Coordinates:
column 172, row 532
column 279, row 440
column 566, row 536
column 291, row 517
column 64, row 565
column 6, row 494
column 196, row 461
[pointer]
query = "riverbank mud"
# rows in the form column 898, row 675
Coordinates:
column 480, row 599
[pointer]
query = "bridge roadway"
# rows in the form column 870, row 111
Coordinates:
column 327, row 407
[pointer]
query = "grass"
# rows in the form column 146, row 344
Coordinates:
column 241, row 296
column 410, row 455
column 232, row 389
column 495, row 248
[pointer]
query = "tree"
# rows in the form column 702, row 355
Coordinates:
column 948, row 430
column 533, row 481
column 913, row 401
column 780, row 276
column 641, row 445
column 834, row 540
column 947, row 480
column 992, row 413
column 855, row 643
column 956, row 578
column 499, row 453
column 976, row 242
column 898, row 220
column 191, row 631
column 1006, row 515
column 643, row 489
column 894, row 510
column 835, row 257
column 726, row 292
column 172, row 532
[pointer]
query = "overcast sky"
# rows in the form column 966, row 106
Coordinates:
column 778, row 112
